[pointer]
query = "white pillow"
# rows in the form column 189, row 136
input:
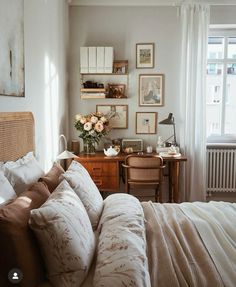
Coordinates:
column 19, row 162
column 6, row 190
column 81, row 182
column 22, row 175
column 65, row 236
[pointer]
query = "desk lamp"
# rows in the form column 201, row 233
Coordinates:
column 65, row 154
column 170, row 121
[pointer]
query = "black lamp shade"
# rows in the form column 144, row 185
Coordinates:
column 168, row 121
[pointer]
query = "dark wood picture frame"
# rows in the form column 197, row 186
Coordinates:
column 145, row 55
column 151, row 90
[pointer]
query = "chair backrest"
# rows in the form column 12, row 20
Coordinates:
column 144, row 168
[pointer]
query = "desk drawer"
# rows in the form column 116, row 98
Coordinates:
column 102, row 168
column 106, row 183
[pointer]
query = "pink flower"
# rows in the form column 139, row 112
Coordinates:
column 103, row 119
column 94, row 119
column 87, row 126
column 83, row 120
column 99, row 127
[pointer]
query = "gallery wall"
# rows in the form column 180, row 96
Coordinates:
column 45, row 41
column 122, row 28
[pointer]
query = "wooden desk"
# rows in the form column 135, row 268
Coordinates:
column 105, row 171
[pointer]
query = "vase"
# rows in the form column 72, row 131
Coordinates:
column 89, row 147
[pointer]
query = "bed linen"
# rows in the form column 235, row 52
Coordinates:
column 152, row 244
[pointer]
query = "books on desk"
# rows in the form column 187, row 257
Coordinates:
column 167, row 154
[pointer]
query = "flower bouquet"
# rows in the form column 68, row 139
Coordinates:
column 92, row 127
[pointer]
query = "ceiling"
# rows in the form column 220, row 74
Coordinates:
column 145, row 2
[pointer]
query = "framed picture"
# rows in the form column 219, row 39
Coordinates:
column 120, row 67
column 146, row 123
column 12, row 75
column 145, row 55
column 117, row 114
column 116, row 91
column 151, row 90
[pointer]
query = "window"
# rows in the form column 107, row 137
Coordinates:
column 221, row 83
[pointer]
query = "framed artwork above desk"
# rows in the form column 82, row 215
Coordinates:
column 104, row 171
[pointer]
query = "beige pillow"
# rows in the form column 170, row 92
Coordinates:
column 81, row 182
column 65, row 236
column 7, row 192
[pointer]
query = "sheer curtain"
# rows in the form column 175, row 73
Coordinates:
column 194, row 24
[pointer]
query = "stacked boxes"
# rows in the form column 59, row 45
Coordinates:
column 96, row 60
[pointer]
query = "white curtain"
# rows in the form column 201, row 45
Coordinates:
column 194, row 24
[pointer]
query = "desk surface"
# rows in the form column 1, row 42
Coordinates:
column 100, row 156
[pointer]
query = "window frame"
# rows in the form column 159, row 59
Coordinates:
column 224, row 32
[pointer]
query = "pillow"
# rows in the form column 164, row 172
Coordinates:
column 18, row 244
column 23, row 175
column 18, row 162
column 52, row 177
column 6, row 190
column 81, row 182
column 65, row 236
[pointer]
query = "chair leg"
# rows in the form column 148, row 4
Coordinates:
column 160, row 192
column 157, row 194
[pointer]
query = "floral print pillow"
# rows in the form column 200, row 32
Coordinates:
column 65, row 237
column 121, row 259
column 81, row 182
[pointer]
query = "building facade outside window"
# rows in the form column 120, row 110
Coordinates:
column 221, row 84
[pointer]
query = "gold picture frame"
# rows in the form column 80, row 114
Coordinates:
column 117, row 114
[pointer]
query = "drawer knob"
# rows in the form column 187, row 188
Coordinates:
column 98, row 182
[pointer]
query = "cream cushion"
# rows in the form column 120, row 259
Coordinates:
column 81, row 182
column 6, row 190
column 23, row 173
column 65, row 237
column 121, row 251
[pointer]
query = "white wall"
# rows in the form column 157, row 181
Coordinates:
column 223, row 14
column 45, row 40
column 122, row 28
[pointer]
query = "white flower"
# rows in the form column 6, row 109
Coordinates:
column 87, row 126
column 83, row 120
column 92, row 132
column 103, row 119
column 78, row 117
column 99, row 127
column 100, row 122
column 94, row 119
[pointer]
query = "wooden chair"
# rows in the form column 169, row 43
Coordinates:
column 143, row 171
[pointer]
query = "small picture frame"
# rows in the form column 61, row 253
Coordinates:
column 120, row 67
column 117, row 114
column 116, row 91
column 146, row 122
column 151, row 90
column 145, row 55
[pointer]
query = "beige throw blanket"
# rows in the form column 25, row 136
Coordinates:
column 216, row 224
column 176, row 254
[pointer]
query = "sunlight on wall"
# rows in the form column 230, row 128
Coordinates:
column 51, row 104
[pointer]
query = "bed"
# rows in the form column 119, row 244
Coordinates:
column 137, row 244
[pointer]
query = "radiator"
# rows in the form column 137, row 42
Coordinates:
column 221, row 170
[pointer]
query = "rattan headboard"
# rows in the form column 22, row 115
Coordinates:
column 16, row 135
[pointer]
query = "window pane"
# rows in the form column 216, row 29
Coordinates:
column 214, row 86
column 230, row 108
column 215, row 48
column 232, row 48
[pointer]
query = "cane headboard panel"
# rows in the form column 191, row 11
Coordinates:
column 16, row 135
